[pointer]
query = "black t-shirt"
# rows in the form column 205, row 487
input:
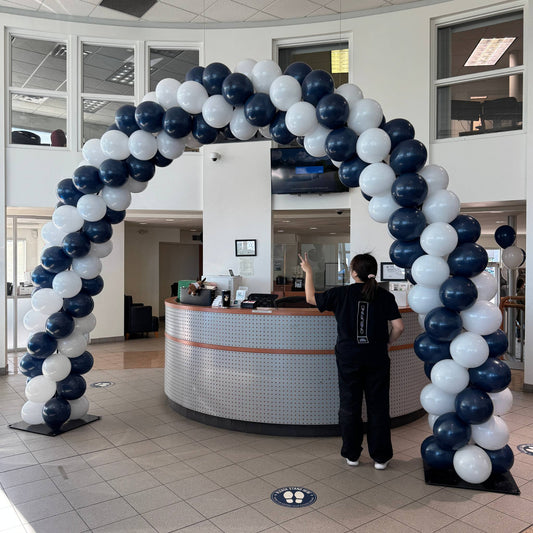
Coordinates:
column 360, row 324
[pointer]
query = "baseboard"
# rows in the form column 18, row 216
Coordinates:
column 102, row 340
column 527, row 387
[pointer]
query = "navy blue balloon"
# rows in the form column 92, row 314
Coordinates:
column 317, row 84
column 298, row 70
column 30, row 366
column 434, row 456
column 87, row 180
column 92, row 286
column 41, row 344
column 409, row 276
column 72, row 387
column 340, row 144
column 177, row 122
column 498, row 343
column 114, row 217
column 467, row 227
column 56, row 412
column 407, row 223
column 492, row 376
column 160, row 160
column 213, row 77
column 458, row 293
column 502, row 460
column 149, row 116
column 399, row 130
column 431, row 351
column 237, row 88
column 443, row 324
column 428, row 367
column 259, row 110
column 195, row 74
column 80, row 305
column 468, row 259
column 140, row 170
column 408, row 156
column 55, row 260
column 278, row 129
column 59, row 325
column 98, row 232
column 42, row 278
column 125, row 119
column 202, row 131
column 505, row 236
column 473, row 406
column 350, row 171
column 113, row 172
column 113, row 127
column 409, row 190
column 332, row 111
column 67, row 192
column 405, row 253
column 451, row 432
column 227, row 134
column 76, row 244
column 81, row 364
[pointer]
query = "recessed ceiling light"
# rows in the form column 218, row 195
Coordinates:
column 143, row 222
column 169, row 219
column 500, row 221
column 286, row 221
column 332, row 233
column 489, row 51
column 313, row 228
column 478, row 98
column 193, row 229
column 281, row 231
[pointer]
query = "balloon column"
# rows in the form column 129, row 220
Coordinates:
column 512, row 256
column 433, row 241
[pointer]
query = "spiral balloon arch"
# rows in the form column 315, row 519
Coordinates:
column 461, row 343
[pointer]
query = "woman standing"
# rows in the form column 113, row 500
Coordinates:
column 363, row 311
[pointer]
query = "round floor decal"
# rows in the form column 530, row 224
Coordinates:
column 526, row 448
column 293, row 497
column 102, row 384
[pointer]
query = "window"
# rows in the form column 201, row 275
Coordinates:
column 171, row 63
column 479, row 78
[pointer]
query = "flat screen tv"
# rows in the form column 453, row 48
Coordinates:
column 294, row 171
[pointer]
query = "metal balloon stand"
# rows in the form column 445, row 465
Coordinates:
column 43, row 429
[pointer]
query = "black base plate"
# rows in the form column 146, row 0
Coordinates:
column 43, row 429
column 503, row 483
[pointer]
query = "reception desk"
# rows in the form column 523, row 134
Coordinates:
column 271, row 371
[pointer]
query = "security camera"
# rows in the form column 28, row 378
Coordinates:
column 340, row 212
column 214, row 156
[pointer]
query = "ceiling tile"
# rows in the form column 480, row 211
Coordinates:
column 323, row 12
column 67, row 7
column 348, row 6
column 22, row 4
column 194, row 6
column 256, row 4
column 161, row 11
column 104, row 13
column 293, row 9
column 229, row 11
column 261, row 16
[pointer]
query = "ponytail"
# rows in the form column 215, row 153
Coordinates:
column 366, row 268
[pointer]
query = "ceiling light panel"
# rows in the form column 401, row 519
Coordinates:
column 489, row 51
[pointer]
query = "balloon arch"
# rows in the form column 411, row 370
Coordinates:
column 433, row 242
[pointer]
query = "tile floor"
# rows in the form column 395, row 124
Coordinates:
column 144, row 468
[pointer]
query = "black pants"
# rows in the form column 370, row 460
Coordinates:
column 365, row 372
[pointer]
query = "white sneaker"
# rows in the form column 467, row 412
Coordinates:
column 352, row 463
column 381, row 466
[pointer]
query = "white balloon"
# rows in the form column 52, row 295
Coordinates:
column 502, row 401
column 191, row 96
column 431, row 420
column 46, row 301
column 114, row 144
column 423, row 299
column 34, row 321
column 373, row 145
column 150, row 97
column 337, row 163
column 436, row 401
column 263, row 74
column 469, row 349
column 239, row 126
column 376, row 179
column 315, row 142
column 91, row 207
column 72, row 346
column 512, row 257
column 486, row 285
column 84, row 324
column 436, row 177
column 430, row 271
column 483, row 318
column 472, row 464
column 67, row 218
column 169, row 147
column 135, row 186
column 492, row 434
column 301, row 118
column 421, row 320
column 83, row 163
column 441, row 206
column 191, row 141
column 265, row 131
column 245, row 67
column 217, row 112
column 142, row 145
column 364, row 114
column 56, row 367
column 439, row 239
column 285, row 91
column 92, row 152
column 381, row 207
column 52, row 235
column 32, row 413
column 166, row 92
column 450, row 376
column 87, row 267
column 352, row 93
column 78, row 408
column 116, row 198
column 67, row 284
column 102, row 249
column 40, row 389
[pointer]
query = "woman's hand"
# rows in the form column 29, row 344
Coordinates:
column 305, row 264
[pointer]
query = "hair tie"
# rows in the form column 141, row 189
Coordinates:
column 371, row 276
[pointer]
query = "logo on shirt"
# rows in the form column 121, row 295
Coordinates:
column 362, row 322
